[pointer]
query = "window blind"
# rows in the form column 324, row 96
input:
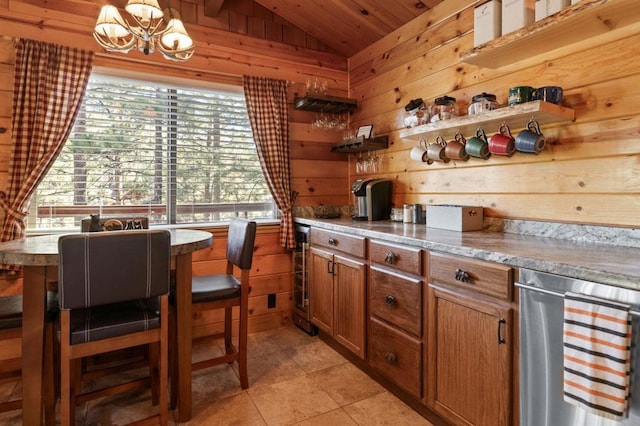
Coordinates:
column 175, row 154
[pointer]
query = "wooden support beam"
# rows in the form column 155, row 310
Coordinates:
column 212, row 7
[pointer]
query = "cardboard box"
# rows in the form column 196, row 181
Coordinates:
column 517, row 14
column 454, row 217
column 487, row 23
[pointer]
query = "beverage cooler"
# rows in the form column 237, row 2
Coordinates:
column 301, row 314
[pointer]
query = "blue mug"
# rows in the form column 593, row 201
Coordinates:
column 552, row 94
column 530, row 140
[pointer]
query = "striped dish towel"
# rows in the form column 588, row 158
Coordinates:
column 597, row 340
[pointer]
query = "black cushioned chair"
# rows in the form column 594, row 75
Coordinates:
column 11, row 350
column 224, row 291
column 114, row 290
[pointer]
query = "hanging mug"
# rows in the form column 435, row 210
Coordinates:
column 419, row 152
column 456, row 148
column 502, row 143
column 436, row 151
column 478, row 146
column 530, row 140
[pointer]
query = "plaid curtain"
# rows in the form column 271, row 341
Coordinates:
column 269, row 116
column 50, row 81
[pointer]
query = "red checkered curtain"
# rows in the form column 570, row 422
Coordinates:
column 269, row 116
column 50, row 81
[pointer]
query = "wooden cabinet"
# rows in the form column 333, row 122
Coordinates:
column 395, row 314
column 337, row 283
column 471, row 341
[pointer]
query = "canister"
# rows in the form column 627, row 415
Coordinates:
column 482, row 103
column 445, row 108
column 406, row 213
column 416, row 213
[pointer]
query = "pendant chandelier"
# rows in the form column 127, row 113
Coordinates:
column 152, row 29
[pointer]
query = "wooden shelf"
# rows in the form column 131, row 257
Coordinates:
column 323, row 103
column 361, row 144
column 516, row 117
column 583, row 20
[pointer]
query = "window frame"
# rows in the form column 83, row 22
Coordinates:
column 171, row 205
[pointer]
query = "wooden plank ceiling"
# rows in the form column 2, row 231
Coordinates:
column 345, row 26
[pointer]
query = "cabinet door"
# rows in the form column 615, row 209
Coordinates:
column 321, row 289
column 349, row 304
column 469, row 359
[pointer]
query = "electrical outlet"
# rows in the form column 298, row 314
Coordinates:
column 271, row 301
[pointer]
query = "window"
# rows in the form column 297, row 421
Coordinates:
column 174, row 154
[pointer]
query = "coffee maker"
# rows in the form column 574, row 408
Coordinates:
column 372, row 199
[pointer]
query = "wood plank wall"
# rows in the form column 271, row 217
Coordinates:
column 589, row 172
column 221, row 57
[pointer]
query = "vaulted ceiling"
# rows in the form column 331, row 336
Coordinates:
column 345, row 26
column 348, row 26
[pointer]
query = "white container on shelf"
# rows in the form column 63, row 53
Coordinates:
column 546, row 8
column 517, row 14
column 487, row 23
column 541, row 9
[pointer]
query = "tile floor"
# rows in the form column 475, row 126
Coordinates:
column 294, row 379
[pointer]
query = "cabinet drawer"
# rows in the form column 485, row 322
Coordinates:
column 396, row 355
column 396, row 299
column 333, row 240
column 404, row 258
column 487, row 278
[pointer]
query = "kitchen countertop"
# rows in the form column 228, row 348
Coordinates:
column 607, row 264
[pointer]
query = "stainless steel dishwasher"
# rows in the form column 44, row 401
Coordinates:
column 541, row 350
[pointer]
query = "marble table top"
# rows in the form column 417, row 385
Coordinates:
column 607, row 264
column 43, row 250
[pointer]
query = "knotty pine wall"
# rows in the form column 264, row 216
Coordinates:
column 590, row 170
column 221, row 57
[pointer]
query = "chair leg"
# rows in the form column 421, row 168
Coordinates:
column 154, row 372
column 242, row 348
column 228, row 339
column 173, row 360
column 163, row 364
column 66, row 406
column 49, row 394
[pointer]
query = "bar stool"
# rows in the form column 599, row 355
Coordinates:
column 224, row 291
column 114, row 290
column 11, row 351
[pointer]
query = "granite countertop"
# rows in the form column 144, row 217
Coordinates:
column 607, row 264
column 43, row 250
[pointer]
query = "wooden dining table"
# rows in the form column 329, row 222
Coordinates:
column 39, row 257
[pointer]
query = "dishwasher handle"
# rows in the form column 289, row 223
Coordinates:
column 524, row 286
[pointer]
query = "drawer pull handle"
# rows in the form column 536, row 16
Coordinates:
column 390, row 300
column 501, row 340
column 332, row 242
column 462, row 276
column 391, row 258
column 390, row 357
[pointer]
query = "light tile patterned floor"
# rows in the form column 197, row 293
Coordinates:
column 294, row 379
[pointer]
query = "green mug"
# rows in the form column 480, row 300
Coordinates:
column 521, row 95
column 478, row 146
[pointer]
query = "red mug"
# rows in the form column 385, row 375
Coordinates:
column 502, row 143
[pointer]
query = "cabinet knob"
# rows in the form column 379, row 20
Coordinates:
column 390, row 357
column 391, row 258
column 462, row 276
column 390, row 300
column 332, row 242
